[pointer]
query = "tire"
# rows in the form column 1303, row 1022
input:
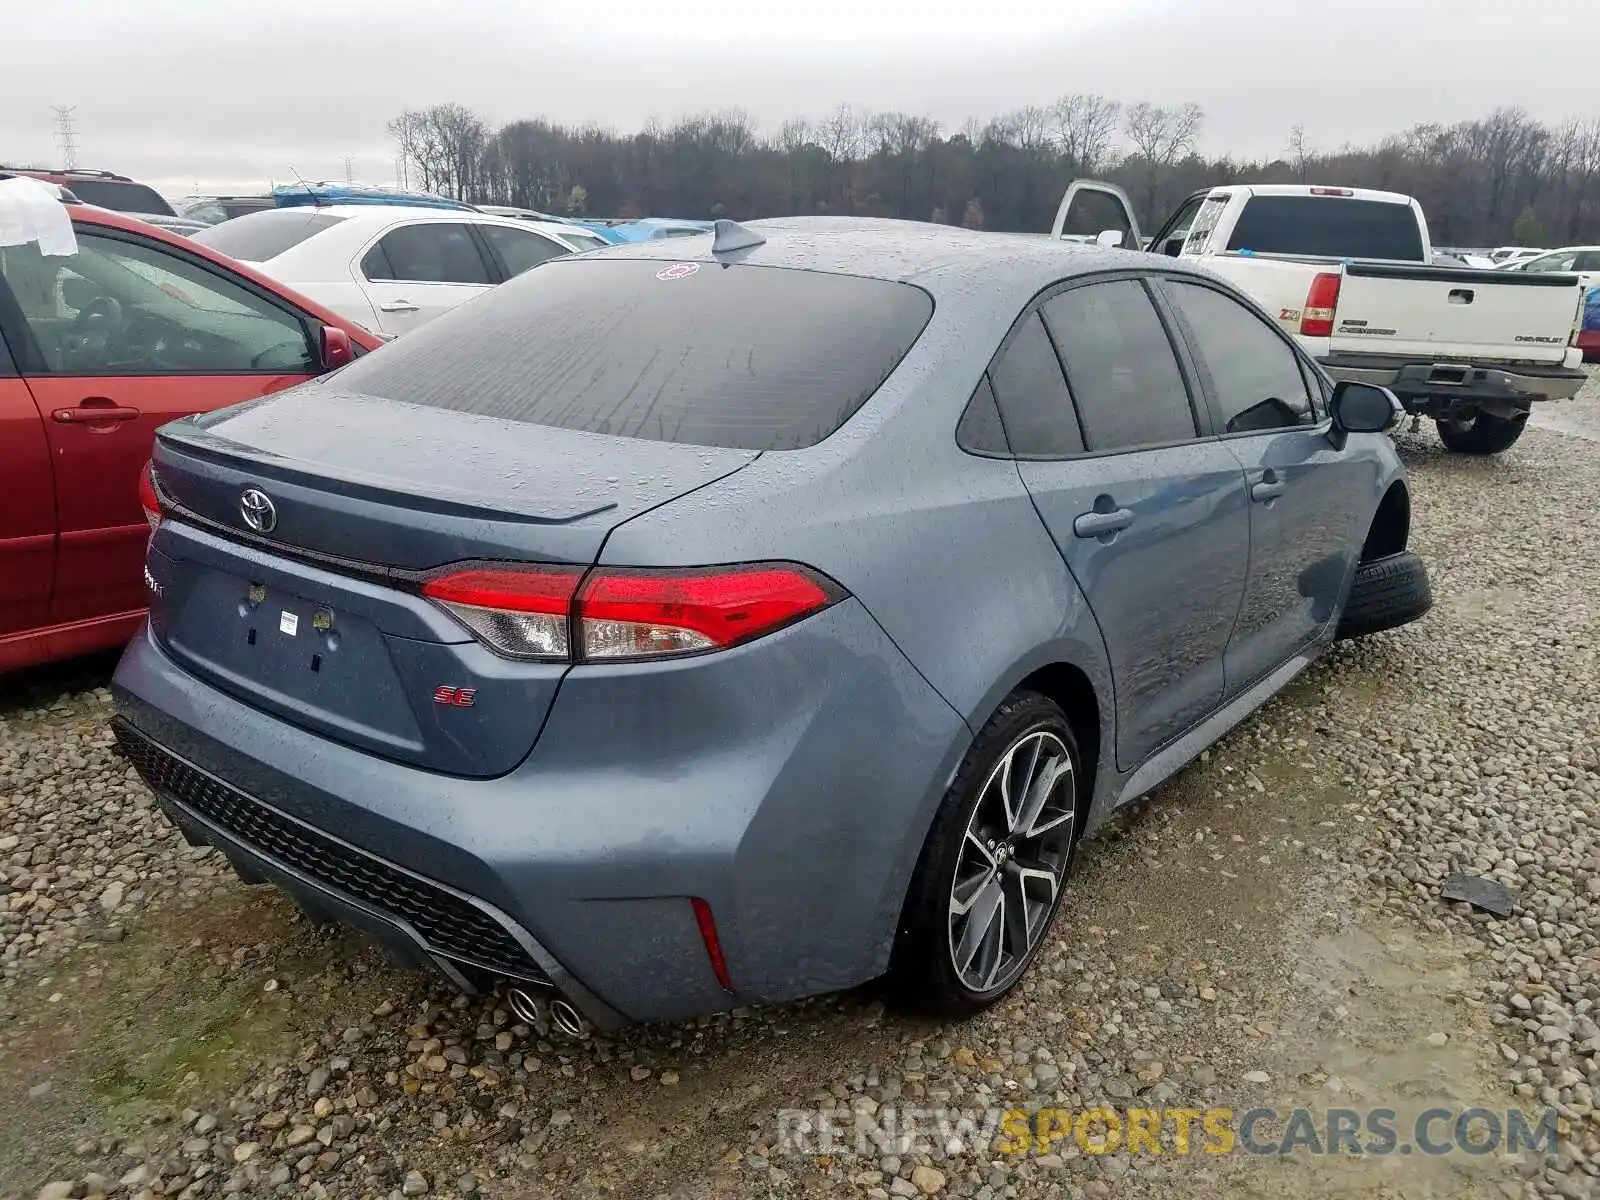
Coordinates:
column 1483, row 434
column 932, row 938
column 1387, row 593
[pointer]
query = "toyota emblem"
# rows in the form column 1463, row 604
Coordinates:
column 258, row 510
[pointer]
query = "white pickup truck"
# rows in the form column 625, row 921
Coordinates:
column 1348, row 273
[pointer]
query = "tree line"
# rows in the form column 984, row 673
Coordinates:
column 1499, row 178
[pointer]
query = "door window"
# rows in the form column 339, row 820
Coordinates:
column 1033, row 398
column 1092, row 212
column 122, row 307
column 1560, row 261
column 428, row 252
column 1121, row 368
column 521, row 248
column 1256, row 379
column 1170, row 239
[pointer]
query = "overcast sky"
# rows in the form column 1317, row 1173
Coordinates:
column 197, row 95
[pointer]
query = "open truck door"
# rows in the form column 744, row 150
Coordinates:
column 1091, row 211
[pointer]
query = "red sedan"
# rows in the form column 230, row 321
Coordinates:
column 97, row 349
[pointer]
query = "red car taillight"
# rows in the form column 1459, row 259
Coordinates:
column 543, row 613
column 1316, row 318
column 149, row 500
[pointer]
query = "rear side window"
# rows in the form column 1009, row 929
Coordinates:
column 434, row 252
column 1120, row 366
column 1256, row 380
column 1032, row 395
column 759, row 358
column 1329, row 226
column 980, row 431
column 521, row 248
column 259, row 236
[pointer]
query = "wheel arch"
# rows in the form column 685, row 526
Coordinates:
column 1390, row 530
column 1072, row 689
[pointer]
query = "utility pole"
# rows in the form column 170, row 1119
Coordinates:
column 67, row 134
column 349, row 170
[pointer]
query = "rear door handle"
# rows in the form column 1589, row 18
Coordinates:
column 397, row 306
column 1098, row 524
column 1267, row 489
column 86, row 414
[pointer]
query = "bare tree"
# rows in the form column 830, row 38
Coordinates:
column 1085, row 127
column 1029, row 128
column 1479, row 181
column 1299, row 153
column 1163, row 135
column 1160, row 137
column 839, row 135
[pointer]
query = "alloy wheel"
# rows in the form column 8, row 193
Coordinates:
column 1012, row 862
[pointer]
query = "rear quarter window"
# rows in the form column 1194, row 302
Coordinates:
column 259, row 236
column 753, row 357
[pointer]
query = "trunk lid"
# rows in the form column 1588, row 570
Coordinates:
column 1439, row 313
column 316, row 617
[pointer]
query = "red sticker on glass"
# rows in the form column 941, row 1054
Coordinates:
column 678, row 271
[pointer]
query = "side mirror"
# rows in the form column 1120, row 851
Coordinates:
column 1173, row 246
column 336, row 348
column 1108, row 239
column 1362, row 408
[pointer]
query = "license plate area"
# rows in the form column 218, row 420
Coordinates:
column 302, row 657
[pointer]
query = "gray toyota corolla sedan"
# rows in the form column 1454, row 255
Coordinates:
column 750, row 615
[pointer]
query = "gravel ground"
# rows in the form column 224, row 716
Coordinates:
column 1266, row 929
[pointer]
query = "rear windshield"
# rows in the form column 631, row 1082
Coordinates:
column 759, row 358
column 1328, row 226
column 258, row 236
column 120, row 197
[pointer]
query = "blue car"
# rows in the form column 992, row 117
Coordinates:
column 316, row 194
column 649, row 229
column 788, row 633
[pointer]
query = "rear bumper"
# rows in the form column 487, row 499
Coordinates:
column 788, row 783
column 1442, row 388
column 333, row 880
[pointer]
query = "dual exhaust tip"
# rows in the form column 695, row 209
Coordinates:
column 564, row 1018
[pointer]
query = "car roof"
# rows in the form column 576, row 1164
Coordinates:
column 951, row 263
column 388, row 214
column 67, row 174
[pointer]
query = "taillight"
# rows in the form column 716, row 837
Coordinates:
column 149, row 499
column 1316, row 318
column 520, row 612
column 1332, row 191
column 643, row 614
column 542, row 613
